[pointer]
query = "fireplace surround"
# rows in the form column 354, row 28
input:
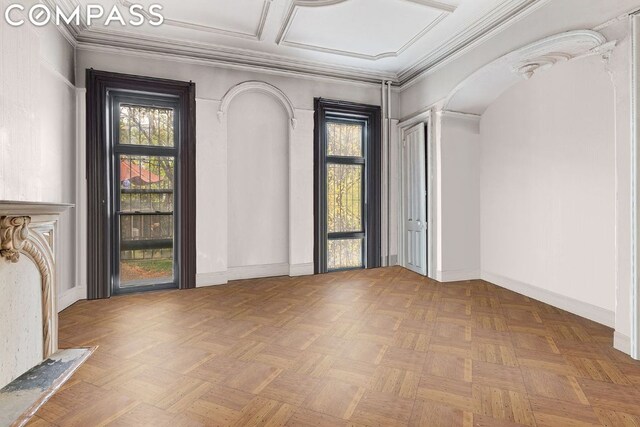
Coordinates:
column 28, row 233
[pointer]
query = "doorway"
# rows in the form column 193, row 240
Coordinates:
column 145, row 187
column 347, row 186
column 414, row 199
column 141, row 184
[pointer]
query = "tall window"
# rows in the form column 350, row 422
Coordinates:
column 145, row 149
column 347, row 193
column 141, row 183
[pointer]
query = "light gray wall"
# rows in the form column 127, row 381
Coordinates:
column 459, row 198
column 548, row 184
column 258, row 168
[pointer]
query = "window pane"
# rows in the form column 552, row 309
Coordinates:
column 344, row 198
column 344, row 139
column 344, row 254
column 146, row 219
column 146, row 183
column 140, row 125
column 146, row 249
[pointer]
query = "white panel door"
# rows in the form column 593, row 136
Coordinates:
column 415, row 199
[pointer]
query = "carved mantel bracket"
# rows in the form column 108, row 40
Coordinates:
column 14, row 232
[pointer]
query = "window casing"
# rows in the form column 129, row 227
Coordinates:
column 100, row 173
column 347, row 186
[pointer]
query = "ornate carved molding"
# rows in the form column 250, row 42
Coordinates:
column 14, row 232
column 573, row 44
column 541, row 63
column 18, row 237
column 479, row 90
column 257, row 86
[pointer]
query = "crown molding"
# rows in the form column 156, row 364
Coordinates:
column 295, row 6
column 225, row 55
column 501, row 17
column 315, row 75
column 74, row 31
column 498, row 19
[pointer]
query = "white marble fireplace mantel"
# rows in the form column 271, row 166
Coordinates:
column 28, row 247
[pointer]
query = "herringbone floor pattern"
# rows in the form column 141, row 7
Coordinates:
column 364, row 348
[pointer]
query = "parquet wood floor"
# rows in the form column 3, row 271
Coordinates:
column 364, row 348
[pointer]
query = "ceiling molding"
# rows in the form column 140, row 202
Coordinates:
column 476, row 32
column 478, row 91
column 480, row 30
column 436, row 5
column 281, row 39
column 163, row 49
column 68, row 5
column 377, row 57
column 256, row 35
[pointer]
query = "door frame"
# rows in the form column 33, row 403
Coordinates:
column 430, row 168
column 373, row 173
column 99, row 239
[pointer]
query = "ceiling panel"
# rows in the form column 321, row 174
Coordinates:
column 367, row 29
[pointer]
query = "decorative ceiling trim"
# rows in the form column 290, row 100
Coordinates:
column 502, row 16
column 261, row 87
column 237, row 58
column 499, row 75
column 256, row 35
column 295, row 6
column 69, row 5
column 224, row 56
column 436, row 5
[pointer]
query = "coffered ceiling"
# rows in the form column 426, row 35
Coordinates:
column 367, row 40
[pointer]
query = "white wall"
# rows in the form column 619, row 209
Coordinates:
column 38, row 128
column 218, row 236
column 458, row 201
column 548, row 188
column 258, row 168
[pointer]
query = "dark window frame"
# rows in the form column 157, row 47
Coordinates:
column 118, row 149
column 99, row 174
column 327, row 111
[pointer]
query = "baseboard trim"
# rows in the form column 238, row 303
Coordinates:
column 253, row 272
column 621, row 342
column 257, row 271
column 211, row 279
column 71, row 296
column 580, row 308
column 390, row 261
column 306, row 269
column 457, row 275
